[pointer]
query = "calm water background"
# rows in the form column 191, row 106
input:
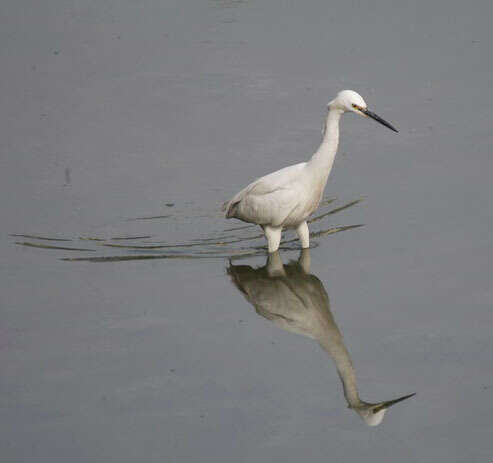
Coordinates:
column 118, row 109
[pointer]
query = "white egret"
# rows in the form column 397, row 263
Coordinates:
column 286, row 198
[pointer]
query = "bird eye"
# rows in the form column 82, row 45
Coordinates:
column 355, row 106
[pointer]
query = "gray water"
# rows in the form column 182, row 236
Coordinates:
column 136, row 120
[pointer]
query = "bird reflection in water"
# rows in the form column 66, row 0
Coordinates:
column 295, row 300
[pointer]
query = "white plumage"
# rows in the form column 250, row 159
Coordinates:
column 287, row 197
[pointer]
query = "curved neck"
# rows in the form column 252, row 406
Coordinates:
column 333, row 343
column 323, row 159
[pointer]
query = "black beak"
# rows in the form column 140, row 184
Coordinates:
column 378, row 119
column 389, row 403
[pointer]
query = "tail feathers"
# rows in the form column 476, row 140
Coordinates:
column 229, row 207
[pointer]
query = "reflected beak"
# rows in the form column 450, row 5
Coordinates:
column 385, row 405
column 378, row 119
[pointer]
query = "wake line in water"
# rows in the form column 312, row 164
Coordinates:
column 229, row 254
column 219, row 247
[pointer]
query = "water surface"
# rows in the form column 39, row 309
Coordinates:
column 124, row 126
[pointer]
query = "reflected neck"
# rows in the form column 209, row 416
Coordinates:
column 333, row 343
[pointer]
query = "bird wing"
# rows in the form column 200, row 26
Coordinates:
column 267, row 200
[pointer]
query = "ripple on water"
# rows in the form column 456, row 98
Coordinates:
column 228, row 243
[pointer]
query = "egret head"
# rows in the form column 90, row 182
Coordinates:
column 349, row 100
column 373, row 414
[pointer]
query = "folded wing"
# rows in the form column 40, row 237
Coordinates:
column 268, row 200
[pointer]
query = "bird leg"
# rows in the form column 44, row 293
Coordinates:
column 303, row 235
column 273, row 235
column 275, row 267
column 305, row 260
